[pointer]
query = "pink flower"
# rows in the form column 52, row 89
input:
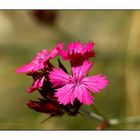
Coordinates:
column 68, row 87
column 77, row 52
column 39, row 62
column 38, row 83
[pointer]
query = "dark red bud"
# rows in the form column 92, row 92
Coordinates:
column 43, row 107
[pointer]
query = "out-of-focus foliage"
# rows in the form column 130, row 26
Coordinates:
column 116, row 34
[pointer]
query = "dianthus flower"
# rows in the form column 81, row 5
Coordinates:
column 40, row 60
column 77, row 85
column 77, row 52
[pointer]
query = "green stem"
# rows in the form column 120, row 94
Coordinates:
column 114, row 121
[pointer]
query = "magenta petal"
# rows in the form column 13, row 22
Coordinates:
column 82, row 70
column 54, row 52
column 31, row 67
column 65, row 94
column 62, row 53
column 88, row 47
column 83, row 95
column 25, row 68
column 75, row 47
column 60, row 46
column 38, row 83
column 95, row 83
column 38, row 67
column 39, row 60
column 71, row 48
column 36, row 64
column 58, row 77
column 41, row 57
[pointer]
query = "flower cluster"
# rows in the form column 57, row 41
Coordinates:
column 63, row 93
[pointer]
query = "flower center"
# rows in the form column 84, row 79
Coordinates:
column 77, row 81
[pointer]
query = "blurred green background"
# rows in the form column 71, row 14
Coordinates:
column 117, row 38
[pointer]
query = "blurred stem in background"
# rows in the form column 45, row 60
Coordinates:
column 107, row 122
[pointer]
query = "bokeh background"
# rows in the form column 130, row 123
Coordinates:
column 117, row 38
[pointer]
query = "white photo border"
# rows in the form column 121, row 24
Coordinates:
column 69, row 4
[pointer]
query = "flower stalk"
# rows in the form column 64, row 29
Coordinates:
column 106, row 122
